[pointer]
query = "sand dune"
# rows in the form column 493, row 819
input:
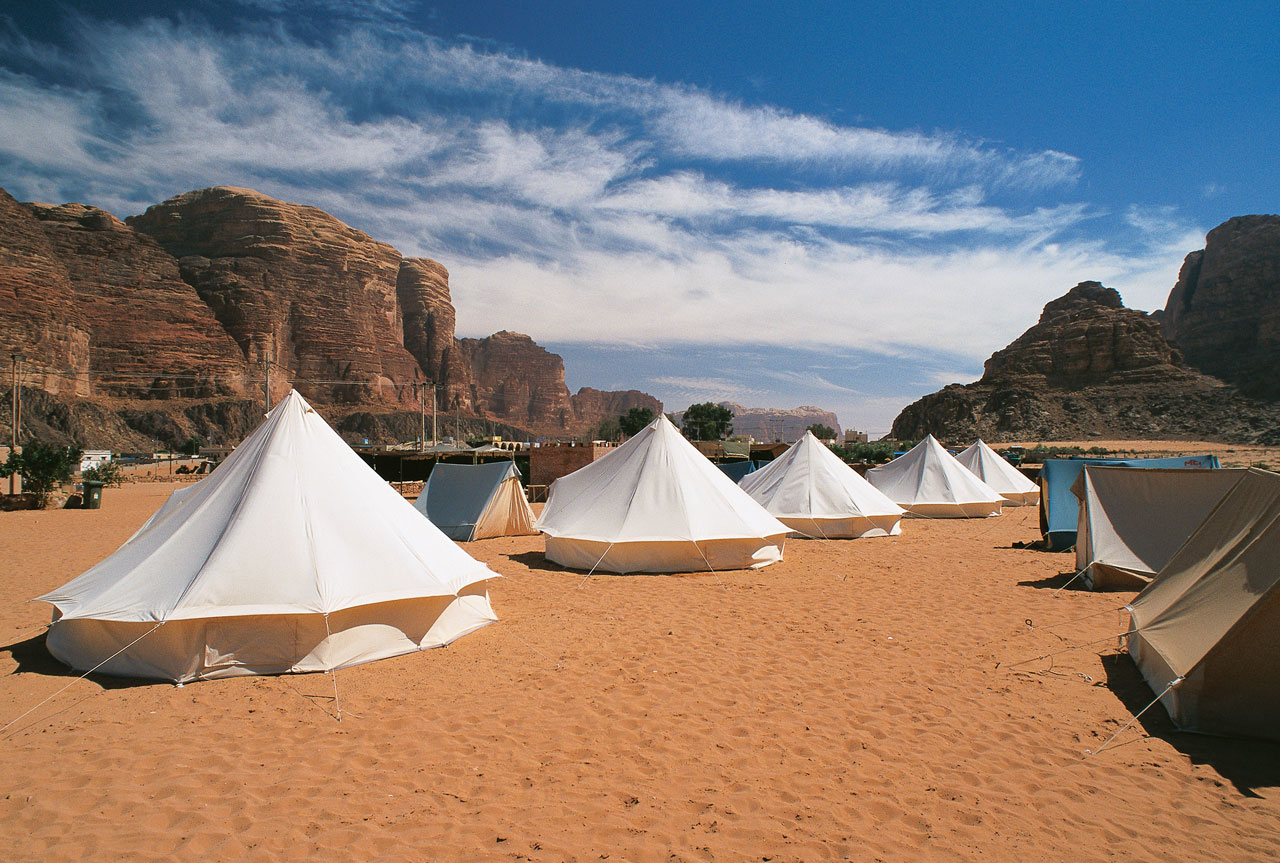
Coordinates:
column 853, row 702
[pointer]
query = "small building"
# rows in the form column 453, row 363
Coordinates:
column 549, row 462
column 92, row 458
column 851, row 436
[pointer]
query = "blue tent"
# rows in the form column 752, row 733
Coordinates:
column 736, row 470
column 1059, row 508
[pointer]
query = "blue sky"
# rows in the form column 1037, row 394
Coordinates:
column 839, row 204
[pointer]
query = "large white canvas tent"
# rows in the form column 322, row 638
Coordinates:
column 993, row 469
column 1206, row 632
column 292, row 556
column 810, row 490
column 1133, row 519
column 928, row 481
column 476, row 501
column 655, row 504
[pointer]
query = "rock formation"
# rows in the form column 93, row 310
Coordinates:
column 147, row 327
column 294, row 283
column 39, row 316
column 1224, row 312
column 1089, row 366
column 163, row 323
column 775, row 424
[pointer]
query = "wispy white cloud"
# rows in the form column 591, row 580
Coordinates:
column 580, row 206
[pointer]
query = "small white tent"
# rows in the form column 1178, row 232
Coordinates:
column 992, row 468
column 292, row 556
column 928, row 481
column 1132, row 519
column 810, row 490
column 1206, row 632
column 476, row 501
column 655, row 504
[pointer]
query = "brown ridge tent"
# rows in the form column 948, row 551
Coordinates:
column 1206, row 632
column 1133, row 519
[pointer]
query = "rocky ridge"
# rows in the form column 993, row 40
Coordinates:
column 1090, row 366
column 147, row 319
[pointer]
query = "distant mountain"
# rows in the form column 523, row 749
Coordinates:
column 159, row 327
column 1090, row 366
column 774, row 424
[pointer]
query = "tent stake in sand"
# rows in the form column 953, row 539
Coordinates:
column 1172, row 684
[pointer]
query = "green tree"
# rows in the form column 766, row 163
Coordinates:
column 608, row 429
column 43, row 467
column 635, row 419
column 192, row 446
column 707, row 421
column 822, row 432
column 108, row 473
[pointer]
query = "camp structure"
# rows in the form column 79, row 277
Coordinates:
column 928, row 481
column 1206, row 632
column 476, row 501
column 1059, row 509
column 655, row 504
column 1133, row 519
column 737, row 469
column 811, row 491
column 292, row 556
column 992, row 468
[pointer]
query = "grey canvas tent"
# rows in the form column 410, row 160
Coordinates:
column 1206, row 632
column 476, row 501
column 1133, row 519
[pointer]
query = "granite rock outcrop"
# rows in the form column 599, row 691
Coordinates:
column 159, row 327
column 1089, row 367
column 1224, row 311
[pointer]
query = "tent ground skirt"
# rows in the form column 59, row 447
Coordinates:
column 665, row 556
column 204, row 648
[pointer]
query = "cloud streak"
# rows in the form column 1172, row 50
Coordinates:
column 671, row 213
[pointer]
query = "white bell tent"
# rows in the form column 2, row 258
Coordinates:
column 292, row 556
column 476, row 501
column 810, row 490
column 993, row 469
column 928, row 481
column 655, row 504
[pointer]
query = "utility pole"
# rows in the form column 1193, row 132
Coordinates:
column 422, row 414
column 15, row 413
column 266, row 383
column 434, row 438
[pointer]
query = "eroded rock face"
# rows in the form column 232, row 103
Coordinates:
column 1224, row 311
column 294, row 282
column 591, row 406
column 1089, row 366
column 39, row 315
column 775, row 424
column 146, row 325
column 184, row 302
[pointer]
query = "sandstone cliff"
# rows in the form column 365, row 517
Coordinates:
column 163, row 323
column 775, row 424
column 1224, row 312
column 1089, row 366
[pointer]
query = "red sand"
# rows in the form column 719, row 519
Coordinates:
column 844, row 704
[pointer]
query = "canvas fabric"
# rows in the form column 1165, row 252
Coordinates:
column 629, row 510
column 810, row 490
column 292, row 529
column 927, row 481
column 993, row 469
column 476, row 501
column 1132, row 519
column 1210, row 620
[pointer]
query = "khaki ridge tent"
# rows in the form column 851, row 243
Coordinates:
column 992, row 468
column 927, row 481
column 292, row 556
column 1206, row 632
column 655, row 504
column 813, row 492
column 476, row 501
column 1132, row 519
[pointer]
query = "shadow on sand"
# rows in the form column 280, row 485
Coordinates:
column 1056, row 582
column 1246, row 764
column 33, row 657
